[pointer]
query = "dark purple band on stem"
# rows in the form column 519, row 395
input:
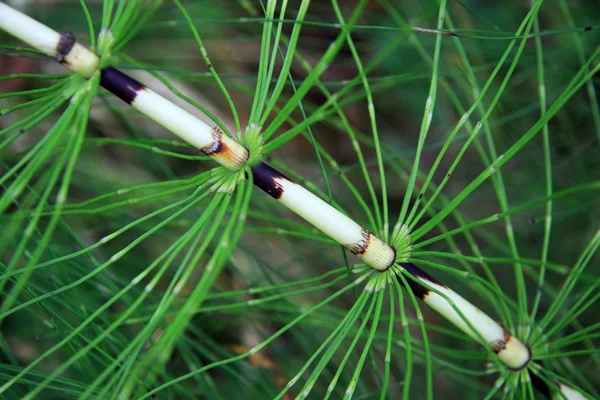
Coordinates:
column 264, row 178
column 123, row 86
column 418, row 290
column 540, row 385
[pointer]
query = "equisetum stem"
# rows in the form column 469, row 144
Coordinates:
column 213, row 142
column 227, row 152
column 510, row 350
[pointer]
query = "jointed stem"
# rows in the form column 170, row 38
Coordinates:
column 234, row 156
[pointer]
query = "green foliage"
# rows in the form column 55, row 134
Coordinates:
column 130, row 265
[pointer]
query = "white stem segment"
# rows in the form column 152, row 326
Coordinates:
column 196, row 132
column 191, row 129
column 320, row 214
column 62, row 47
column 511, row 351
column 326, row 218
column 567, row 392
column 209, row 139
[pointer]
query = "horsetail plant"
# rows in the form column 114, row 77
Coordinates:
column 391, row 256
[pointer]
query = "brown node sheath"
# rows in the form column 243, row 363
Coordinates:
column 500, row 345
column 265, row 177
column 418, row 290
column 64, row 46
column 121, row 85
column 226, row 151
column 218, row 146
column 361, row 246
